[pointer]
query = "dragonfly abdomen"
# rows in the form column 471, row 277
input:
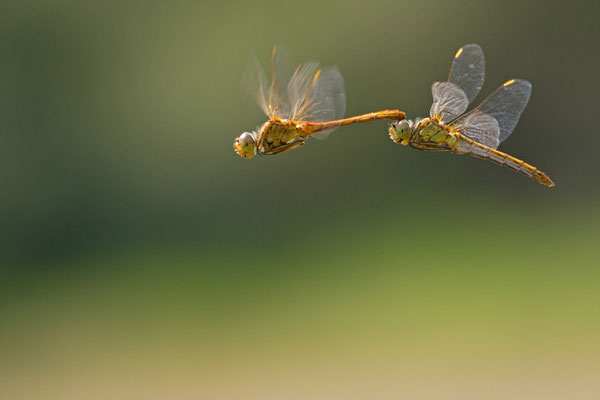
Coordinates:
column 465, row 145
column 313, row 127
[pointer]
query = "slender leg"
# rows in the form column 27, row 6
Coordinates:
column 429, row 146
column 285, row 147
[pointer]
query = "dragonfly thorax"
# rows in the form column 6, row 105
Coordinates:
column 432, row 131
column 278, row 135
column 428, row 128
column 279, row 131
column 429, row 131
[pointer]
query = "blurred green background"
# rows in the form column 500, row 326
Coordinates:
column 141, row 258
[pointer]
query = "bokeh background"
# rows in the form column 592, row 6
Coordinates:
column 141, row 258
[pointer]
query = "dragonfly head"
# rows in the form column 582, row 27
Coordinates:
column 400, row 131
column 245, row 145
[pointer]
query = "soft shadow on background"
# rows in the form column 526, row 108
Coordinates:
column 141, row 258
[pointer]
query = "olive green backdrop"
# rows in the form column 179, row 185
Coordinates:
column 141, row 258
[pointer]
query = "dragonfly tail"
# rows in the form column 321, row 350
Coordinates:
column 314, row 127
column 476, row 149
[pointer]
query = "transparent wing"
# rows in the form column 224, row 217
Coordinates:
column 480, row 127
column 449, row 101
column 468, row 70
column 271, row 95
column 467, row 74
column 300, row 87
column 307, row 93
column 254, row 81
column 317, row 95
column 282, row 68
column 504, row 106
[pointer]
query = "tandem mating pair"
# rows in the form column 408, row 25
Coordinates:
column 310, row 101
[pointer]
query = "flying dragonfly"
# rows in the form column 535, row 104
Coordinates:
column 301, row 102
column 478, row 132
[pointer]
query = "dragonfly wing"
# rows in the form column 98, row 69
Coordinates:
column 449, row 101
column 299, row 89
column 467, row 74
column 468, row 70
column 322, row 98
column 307, row 93
column 504, row 105
column 480, row 127
column 271, row 95
column 254, row 81
column 282, row 69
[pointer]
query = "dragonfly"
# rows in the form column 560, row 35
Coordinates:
column 477, row 132
column 308, row 100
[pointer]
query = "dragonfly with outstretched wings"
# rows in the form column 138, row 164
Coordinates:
column 308, row 100
column 479, row 131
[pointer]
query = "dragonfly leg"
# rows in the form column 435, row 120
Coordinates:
column 429, row 146
column 285, row 147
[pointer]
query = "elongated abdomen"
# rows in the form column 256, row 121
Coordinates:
column 313, row 127
column 464, row 145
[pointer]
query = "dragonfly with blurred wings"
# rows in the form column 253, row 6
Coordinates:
column 301, row 102
column 481, row 130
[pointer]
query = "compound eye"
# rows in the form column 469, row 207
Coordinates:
column 246, row 138
column 245, row 145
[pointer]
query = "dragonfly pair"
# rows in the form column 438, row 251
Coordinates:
column 310, row 101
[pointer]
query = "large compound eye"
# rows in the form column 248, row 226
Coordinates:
column 403, row 125
column 245, row 145
column 400, row 131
